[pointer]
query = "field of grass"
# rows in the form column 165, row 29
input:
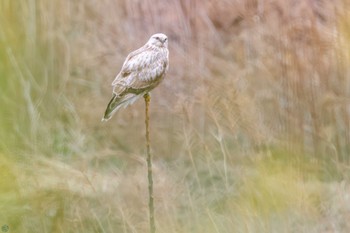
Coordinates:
column 250, row 130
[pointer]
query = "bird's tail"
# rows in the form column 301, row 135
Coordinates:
column 112, row 107
column 117, row 102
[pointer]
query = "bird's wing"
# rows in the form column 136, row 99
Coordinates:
column 129, row 65
column 143, row 69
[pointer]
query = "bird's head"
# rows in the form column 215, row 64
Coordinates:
column 159, row 40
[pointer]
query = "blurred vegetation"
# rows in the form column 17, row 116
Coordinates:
column 250, row 130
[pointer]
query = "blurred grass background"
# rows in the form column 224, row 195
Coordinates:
column 250, row 130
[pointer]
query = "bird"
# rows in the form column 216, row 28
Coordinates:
column 142, row 70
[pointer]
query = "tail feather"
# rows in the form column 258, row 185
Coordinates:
column 117, row 102
column 111, row 108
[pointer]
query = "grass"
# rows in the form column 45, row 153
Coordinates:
column 250, row 129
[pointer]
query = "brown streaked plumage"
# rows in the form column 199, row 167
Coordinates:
column 143, row 70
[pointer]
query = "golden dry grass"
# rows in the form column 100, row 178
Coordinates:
column 250, row 130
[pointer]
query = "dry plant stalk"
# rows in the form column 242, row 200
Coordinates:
column 149, row 167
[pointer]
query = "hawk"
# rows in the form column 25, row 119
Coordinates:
column 143, row 70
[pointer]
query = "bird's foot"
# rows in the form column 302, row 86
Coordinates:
column 147, row 97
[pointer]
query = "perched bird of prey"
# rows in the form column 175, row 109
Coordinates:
column 143, row 70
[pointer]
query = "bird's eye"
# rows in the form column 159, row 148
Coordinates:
column 157, row 37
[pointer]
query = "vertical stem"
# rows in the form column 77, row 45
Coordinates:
column 149, row 168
